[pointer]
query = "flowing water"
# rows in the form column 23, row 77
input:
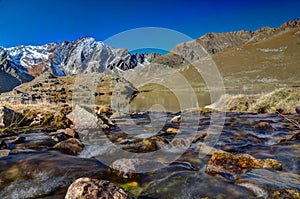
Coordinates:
column 35, row 170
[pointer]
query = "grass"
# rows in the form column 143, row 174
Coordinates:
column 54, row 116
column 280, row 100
column 285, row 98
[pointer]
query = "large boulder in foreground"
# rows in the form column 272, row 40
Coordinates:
column 9, row 117
column 87, row 188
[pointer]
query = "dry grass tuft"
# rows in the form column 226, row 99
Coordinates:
column 281, row 100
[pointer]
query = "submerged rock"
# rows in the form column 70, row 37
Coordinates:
column 271, row 184
column 230, row 166
column 264, row 126
column 87, row 188
column 188, row 184
column 132, row 168
column 172, row 131
column 205, row 149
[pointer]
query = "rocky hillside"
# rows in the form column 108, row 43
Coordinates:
column 11, row 74
column 265, row 56
column 92, row 88
column 217, row 42
column 23, row 63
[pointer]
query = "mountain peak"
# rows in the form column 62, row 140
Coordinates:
column 293, row 24
column 85, row 55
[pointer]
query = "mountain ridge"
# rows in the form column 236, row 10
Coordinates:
column 85, row 55
column 265, row 56
column 211, row 41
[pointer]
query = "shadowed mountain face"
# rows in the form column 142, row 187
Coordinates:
column 10, row 74
column 7, row 82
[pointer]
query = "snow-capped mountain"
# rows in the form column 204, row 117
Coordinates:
column 65, row 58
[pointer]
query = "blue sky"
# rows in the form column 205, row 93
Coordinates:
column 36, row 22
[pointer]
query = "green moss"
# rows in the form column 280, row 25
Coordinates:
column 135, row 190
column 27, row 131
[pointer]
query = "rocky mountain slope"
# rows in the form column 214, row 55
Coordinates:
column 217, row 42
column 92, row 88
column 265, row 56
column 23, row 63
column 11, row 74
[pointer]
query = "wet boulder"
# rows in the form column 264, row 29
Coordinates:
column 88, row 188
column 140, row 145
column 231, row 166
column 172, row 131
column 70, row 132
column 71, row 146
column 133, row 168
column 176, row 119
column 83, row 119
